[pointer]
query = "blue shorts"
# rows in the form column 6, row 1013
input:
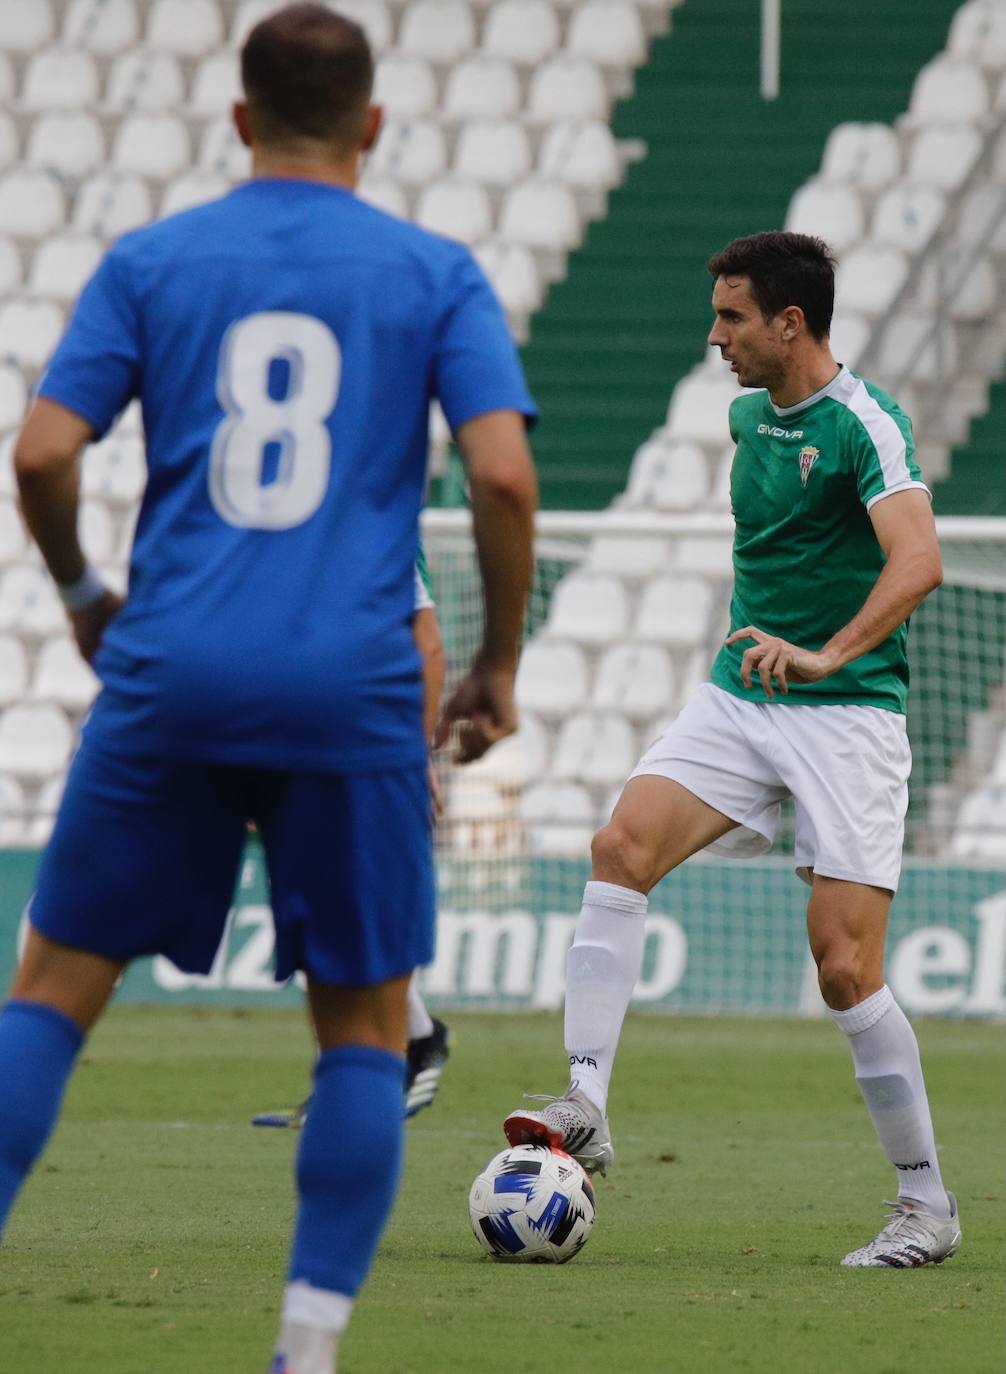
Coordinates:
column 145, row 856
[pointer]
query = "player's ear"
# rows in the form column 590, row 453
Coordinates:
column 239, row 114
column 372, row 127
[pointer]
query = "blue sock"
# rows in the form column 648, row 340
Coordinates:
column 348, row 1166
column 37, row 1048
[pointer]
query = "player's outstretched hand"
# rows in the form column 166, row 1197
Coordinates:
column 772, row 657
column 482, row 705
column 89, row 624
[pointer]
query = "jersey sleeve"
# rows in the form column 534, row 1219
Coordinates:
column 476, row 368
column 95, row 370
column 883, row 454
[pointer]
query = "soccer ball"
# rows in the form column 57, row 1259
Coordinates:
column 532, row 1204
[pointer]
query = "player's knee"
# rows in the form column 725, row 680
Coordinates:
column 619, row 856
column 843, row 976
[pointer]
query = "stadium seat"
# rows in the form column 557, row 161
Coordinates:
column 849, row 336
column 25, row 25
column 29, row 603
column 482, row 88
column 583, row 155
column 457, row 209
column 675, row 611
column 865, row 155
column 29, row 330
column 62, row 677
column 105, row 29
column 516, row 759
column 59, row 79
column 405, row 86
column 13, row 396
column 13, row 813
column 869, row 278
column 633, row 557
column 71, row 145
column 907, row 216
column 567, row 88
column 216, row 86
column 552, row 678
column 560, row 818
column 542, row 215
column 9, row 144
column 144, row 80
column 589, row 609
column 220, row 150
column 153, row 146
column 608, row 32
column 35, row 741
column 384, row 194
column 110, row 203
column 834, row 213
column 634, row 679
column 596, row 748
column 62, row 264
column 496, row 152
column 13, row 539
column 31, row 203
column 909, row 348
column 10, row 275
column 978, row 35
column 700, row 406
column 514, row 275
column 187, row 28
column 192, row 188
column 413, row 151
column 374, row 18
column 442, row 31
column 522, row 31
column 944, row 157
column 668, row 476
column 948, row 91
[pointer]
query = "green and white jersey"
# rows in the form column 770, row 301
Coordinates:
column 805, row 553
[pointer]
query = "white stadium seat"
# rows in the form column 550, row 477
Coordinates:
column 589, row 609
column 9, row 144
column 583, row 155
column 29, row 330
column 907, row 216
column 10, row 274
column 595, row 748
column 59, row 79
column 700, row 406
column 541, row 215
column 633, row 557
column 220, row 150
column 384, row 194
column 35, row 741
column 405, row 86
column 31, row 203
column 457, row 209
column 110, row 204
column 13, row 539
column 62, row 264
column 869, row 278
column 866, row 155
column 13, row 670
column 514, row 275
column 154, row 146
column 70, row 144
column 442, row 31
column 413, row 151
column 567, row 87
column 948, row 91
column 106, row 28
column 496, row 152
column 978, row 35
column 25, row 25
column 834, row 213
column 190, row 189
column 552, row 678
column 482, row 88
column 608, row 32
column 13, row 396
column 144, row 80
column 634, row 679
column 675, row 611
column 516, row 759
column 849, row 336
column 522, row 31
column 560, row 817
column 188, row 28
column 373, row 18
column 944, row 157
column 668, row 475
column 62, row 677
column 216, row 86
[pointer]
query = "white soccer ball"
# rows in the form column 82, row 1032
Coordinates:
column 532, row 1204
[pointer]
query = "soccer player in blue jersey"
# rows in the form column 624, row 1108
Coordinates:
column 285, row 342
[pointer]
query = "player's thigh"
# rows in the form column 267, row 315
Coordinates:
column 375, row 1016
column 847, row 928
column 143, row 859
column 657, row 823
column 350, row 859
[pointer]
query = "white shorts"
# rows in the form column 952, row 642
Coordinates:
column 846, row 768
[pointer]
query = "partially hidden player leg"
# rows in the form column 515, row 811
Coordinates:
column 57, row 995
column 656, row 825
column 348, row 1165
column 847, row 923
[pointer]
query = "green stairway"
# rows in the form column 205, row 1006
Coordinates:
column 631, row 317
column 976, row 484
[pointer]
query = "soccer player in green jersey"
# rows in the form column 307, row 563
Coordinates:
column 835, row 546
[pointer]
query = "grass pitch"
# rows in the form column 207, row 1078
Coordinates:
column 153, row 1237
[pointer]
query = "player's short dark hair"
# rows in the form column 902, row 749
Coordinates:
column 784, row 269
column 308, row 74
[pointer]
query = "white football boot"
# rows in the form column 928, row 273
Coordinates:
column 571, row 1123
column 910, row 1239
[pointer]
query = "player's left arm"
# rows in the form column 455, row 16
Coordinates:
column 905, row 529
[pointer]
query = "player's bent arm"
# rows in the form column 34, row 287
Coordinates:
column 47, row 468
column 431, row 650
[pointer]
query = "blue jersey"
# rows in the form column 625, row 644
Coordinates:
column 285, row 342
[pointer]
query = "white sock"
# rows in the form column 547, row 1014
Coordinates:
column 885, row 1053
column 312, row 1322
column 420, row 1020
column 602, row 968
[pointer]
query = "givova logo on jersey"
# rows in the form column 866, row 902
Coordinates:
column 807, row 456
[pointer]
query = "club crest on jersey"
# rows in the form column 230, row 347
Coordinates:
column 808, row 456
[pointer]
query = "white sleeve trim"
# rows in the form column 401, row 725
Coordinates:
column 893, row 491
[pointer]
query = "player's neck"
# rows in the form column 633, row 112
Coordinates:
column 804, row 377
column 342, row 172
